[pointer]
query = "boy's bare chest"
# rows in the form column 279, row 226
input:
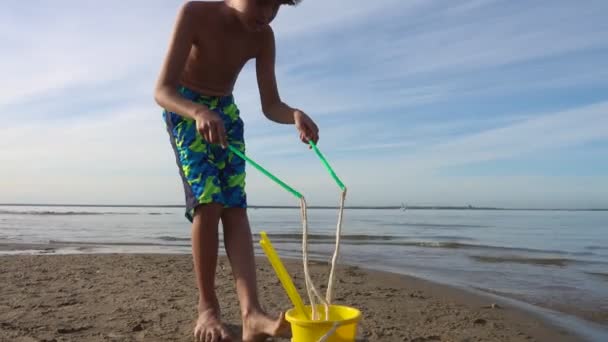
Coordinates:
column 228, row 52
column 217, row 56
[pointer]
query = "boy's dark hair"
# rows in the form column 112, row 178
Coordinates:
column 290, row 2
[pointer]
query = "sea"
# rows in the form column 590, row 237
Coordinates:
column 551, row 262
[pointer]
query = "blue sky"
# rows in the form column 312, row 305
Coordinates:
column 484, row 102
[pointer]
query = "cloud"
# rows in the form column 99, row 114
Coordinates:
column 546, row 132
column 67, row 45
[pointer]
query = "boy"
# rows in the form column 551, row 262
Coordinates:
column 210, row 44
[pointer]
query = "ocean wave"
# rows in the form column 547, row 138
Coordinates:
column 290, row 239
column 446, row 237
column 597, row 248
column 110, row 243
column 561, row 262
column 312, row 238
column 601, row 275
column 433, row 225
column 172, row 238
column 61, row 213
column 391, row 240
column 324, row 237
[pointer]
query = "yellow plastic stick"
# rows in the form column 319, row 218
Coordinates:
column 284, row 277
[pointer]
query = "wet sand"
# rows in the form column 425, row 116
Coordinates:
column 122, row 297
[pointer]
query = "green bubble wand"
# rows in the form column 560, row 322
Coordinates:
column 312, row 292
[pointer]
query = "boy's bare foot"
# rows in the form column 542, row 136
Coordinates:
column 209, row 328
column 258, row 326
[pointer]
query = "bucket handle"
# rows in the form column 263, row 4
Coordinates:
column 329, row 332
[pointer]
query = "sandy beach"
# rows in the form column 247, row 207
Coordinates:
column 122, row 297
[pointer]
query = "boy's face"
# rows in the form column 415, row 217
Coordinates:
column 256, row 14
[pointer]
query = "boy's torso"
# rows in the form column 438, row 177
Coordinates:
column 220, row 49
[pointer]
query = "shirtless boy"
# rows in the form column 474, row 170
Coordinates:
column 210, row 44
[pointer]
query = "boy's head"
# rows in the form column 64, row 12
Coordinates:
column 255, row 14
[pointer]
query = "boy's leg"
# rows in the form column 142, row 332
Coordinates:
column 204, row 252
column 239, row 248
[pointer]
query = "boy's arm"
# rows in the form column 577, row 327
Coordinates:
column 209, row 124
column 272, row 106
column 166, row 94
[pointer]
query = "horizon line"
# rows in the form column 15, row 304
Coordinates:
column 402, row 207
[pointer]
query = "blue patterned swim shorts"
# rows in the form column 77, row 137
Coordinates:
column 210, row 174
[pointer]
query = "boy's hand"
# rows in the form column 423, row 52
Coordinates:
column 211, row 127
column 307, row 128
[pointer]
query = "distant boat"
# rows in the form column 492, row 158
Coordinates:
column 403, row 207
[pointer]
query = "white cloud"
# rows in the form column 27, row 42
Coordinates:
column 550, row 131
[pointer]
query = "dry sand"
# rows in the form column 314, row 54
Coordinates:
column 152, row 298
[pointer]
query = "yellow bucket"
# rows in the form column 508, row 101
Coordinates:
column 305, row 330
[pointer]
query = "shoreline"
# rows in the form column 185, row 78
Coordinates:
column 68, row 290
column 580, row 327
